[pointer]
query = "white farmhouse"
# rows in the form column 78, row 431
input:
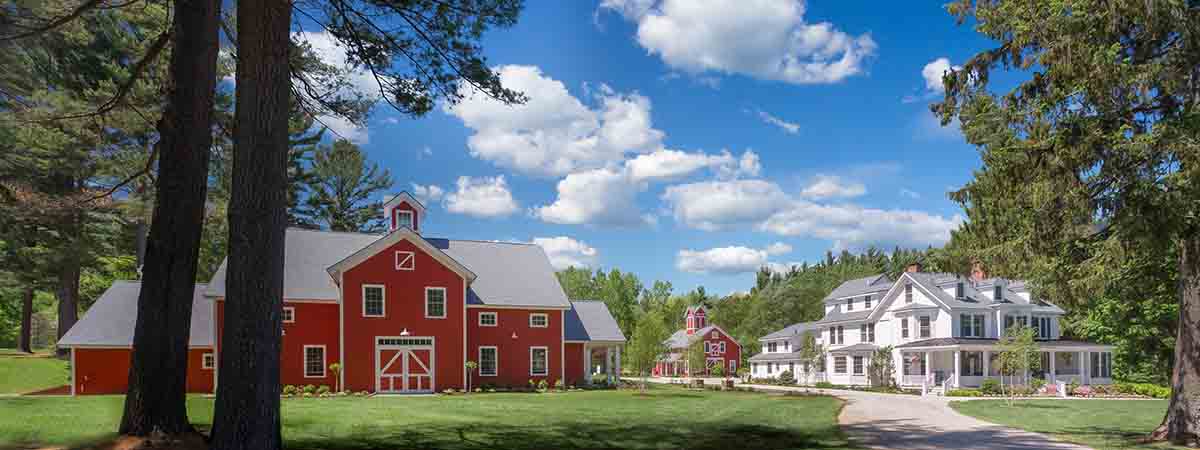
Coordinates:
column 943, row 328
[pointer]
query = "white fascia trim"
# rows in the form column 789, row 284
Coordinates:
column 74, row 368
column 341, row 335
column 385, row 242
column 534, row 308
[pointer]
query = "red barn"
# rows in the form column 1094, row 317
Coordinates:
column 399, row 312
column 720, row 349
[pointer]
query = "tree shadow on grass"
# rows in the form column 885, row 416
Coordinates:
column 577, row 436
column 911, row 434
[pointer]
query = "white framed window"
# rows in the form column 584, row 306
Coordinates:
column 435, row 303
column 314, row 361
column 404, row 218
column 923, row 325
column 998, row 293
column 208, row 361
column 539, row 320
column 839, row 364
column 706, row 347
column 867, row 332
column 721, row 347
column 489, row 357
column 289, row 314
column 539, row 358
column 841, row 334
column 771, row 347
column 715, row 335
column 858, row 365
column 867, row 302
column 406, row 260
column 1041, row 326
column 487, row 319
column 908, row 293
column 971, row 325
column 849, row 304
column 1101, row 364
column 733, row 366
column 904, row 328
column 373, row 300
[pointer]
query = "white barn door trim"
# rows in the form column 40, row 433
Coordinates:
column 405, row 382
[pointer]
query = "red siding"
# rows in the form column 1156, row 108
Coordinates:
column 513, row 354
column 405, row 310
column 574, row 365
column 106, row 371
column 732, row 351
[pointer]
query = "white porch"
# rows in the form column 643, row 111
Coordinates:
column 969, row 366
column 600, row 358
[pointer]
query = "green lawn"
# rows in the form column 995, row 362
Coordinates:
column 21, row 373
column 666, row 418
column 1100, row 424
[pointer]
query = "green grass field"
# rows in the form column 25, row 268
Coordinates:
column 21, row 373
column 665, row 418
column 1100, row 424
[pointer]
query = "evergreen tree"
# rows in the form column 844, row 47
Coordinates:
column 345, row 189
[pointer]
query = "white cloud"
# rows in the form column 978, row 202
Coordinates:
column 728, row 260
column 481, row 197
column 554, row 133
column 344, row 129
column 428, row 195
column 852, row 226
column 566, row 252
column 910, row 193
column 665, row 164
column 933, row 72
column 766, row 39
column 714, row 205
column 831, row 186
column 788, row 127
column 597, row 197
column 719, row 205
column 361, row 82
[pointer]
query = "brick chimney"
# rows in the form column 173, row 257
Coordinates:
column 913, row 268
column 977, row 272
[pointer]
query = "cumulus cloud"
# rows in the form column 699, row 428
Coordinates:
column 788, row 127
column 481, row 197
column 428, row 195
column 566, row 252
column 933, row 73
column 719, row 205
column 832, row 186
column 766, row 39
column 714, row 205
column 665, row 164
column 554, row 133
column 597, row 197
column 728, row 260
column 360, row 82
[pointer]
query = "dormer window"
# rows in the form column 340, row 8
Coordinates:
column 998, row 293
column 908, row 293
column 867, row 302
column 960, row 291
column 404, row 219
column 849, row 304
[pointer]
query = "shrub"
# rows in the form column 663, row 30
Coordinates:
column 1072, row 386
column 323, row 389
column 1082, row 391
column 1144, row 390
column 990, row 386
column 1050, row 389
column 1037, row 384
column 825, row 385
column 542, row 385
column 786, row 377
column 1021, row 391
column 965, row 393
column 310, row 389
column 290, row 390
column 559, row 385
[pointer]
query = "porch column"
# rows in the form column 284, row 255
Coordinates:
column 1053, row 372
column 987, row 358
column 587, row 364
column 1085, row 367
column 926, row 356
column 957, row 367
column 608, row 363
column 618, row 362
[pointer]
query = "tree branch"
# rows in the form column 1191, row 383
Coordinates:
column 55, row 23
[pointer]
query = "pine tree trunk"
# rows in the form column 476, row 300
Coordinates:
column 68, row 296
column 1182, row 422
column 156, row 400
column 25, row 342
column 247, row 408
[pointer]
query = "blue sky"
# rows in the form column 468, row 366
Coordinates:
column 695, row 142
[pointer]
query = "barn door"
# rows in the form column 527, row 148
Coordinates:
column 404, row 365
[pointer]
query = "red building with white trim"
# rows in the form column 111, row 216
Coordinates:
column 399, row 312
column 719, row 347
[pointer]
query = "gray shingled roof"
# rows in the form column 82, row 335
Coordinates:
column 932, row 282
column 793, row 356
column 865, row 285
column 914, row 306
column 680, row 338
column 111, row 320
column 791, row 330
column 507, row 274
column 591, row 321
column 860, row 347
column 837, row 315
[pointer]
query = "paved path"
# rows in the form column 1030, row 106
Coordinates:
column 910, row 422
